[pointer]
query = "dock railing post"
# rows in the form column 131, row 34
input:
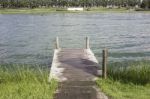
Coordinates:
column 87, row 43
column 57, row 43
column 104, row 63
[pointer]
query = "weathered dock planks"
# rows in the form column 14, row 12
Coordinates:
column 74, row 65
column 76, row 71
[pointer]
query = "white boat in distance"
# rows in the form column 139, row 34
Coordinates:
column 75, row 9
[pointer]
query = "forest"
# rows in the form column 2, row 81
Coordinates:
column 73, row 3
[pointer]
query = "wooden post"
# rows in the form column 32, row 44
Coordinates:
column 104, row 63
column 87, row 43
column 57, row 43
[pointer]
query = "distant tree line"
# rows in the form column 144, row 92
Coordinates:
column 67, row 3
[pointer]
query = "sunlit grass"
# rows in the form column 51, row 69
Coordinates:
column 119, row 90
column 25, row 82
column 61, row 10
column 107, row 9
column 127, row 80
column 27, row 11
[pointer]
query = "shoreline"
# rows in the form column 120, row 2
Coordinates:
column 55, row 10
column 24, row 81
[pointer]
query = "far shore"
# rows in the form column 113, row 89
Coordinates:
column 63, row 10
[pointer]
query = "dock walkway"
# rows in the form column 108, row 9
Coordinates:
column 76, row 71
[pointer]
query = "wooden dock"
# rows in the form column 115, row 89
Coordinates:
column 76, row 71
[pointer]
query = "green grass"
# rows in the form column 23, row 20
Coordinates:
column 137, row 72
column 27, row 11
column 25, row 82
column 104, row 9
column 61, row 10
column 127, row 80
column 119, row 90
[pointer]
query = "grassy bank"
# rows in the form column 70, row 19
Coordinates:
column 27, row 11
column 127, row 80
column 25, row 82
column 61, row 10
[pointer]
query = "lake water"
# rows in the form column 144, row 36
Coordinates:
column 29, row 39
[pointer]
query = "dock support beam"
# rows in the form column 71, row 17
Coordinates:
column 57, row 43
column 104, row 63
column 87, row 43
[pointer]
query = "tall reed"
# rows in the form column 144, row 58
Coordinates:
column 25, row 82
column 137, row 72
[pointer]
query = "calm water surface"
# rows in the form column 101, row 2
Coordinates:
column 29, row 39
